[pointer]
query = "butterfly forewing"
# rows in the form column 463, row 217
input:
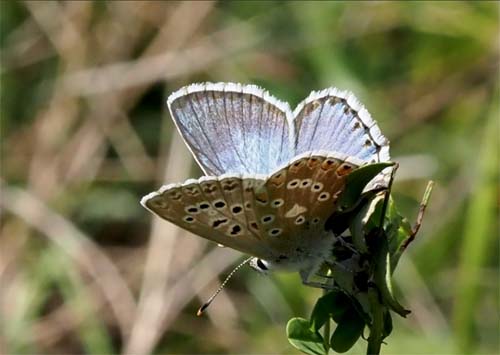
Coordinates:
column 334, row 120
column 201, row 207
column 232, row 128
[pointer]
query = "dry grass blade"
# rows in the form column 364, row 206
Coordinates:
column 150, row 311
column 79, row 246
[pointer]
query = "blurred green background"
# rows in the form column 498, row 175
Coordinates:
column 85, row 133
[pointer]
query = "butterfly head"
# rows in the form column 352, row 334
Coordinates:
column 260, row 265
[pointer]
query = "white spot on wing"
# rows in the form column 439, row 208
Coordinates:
column 295, row 211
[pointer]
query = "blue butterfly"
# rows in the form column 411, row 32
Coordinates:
column 273, row 176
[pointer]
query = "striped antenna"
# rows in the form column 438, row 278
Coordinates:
column 206, row 304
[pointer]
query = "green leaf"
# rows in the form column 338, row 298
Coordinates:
column 339, row 221
column 365, row 221
column 356, row 182
column 303, row 338
column 348, row 331
column 398, row 230
column 383, row 276
column 387, row 323
column 332, row 305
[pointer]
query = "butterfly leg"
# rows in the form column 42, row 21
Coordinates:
column 307, row 274
column 347, row 245
column 324, row 286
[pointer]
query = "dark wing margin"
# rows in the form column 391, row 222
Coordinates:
column 335, row 120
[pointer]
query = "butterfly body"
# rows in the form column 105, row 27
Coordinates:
column 273, row 176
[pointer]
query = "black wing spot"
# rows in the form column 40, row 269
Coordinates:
column 218, row 222
column 275, row 231
column 236, row 209
column 316, row 187
column 261, row 200
column 235, row 230
column 267, row 219
column 220, row 204
column 324, row 196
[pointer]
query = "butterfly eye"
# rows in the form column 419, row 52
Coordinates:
column 188, row 219
column 262, row 265
column 259, row 265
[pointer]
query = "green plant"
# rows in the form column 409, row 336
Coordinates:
column 358, row 292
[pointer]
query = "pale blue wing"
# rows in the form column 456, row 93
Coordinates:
column 335, row 121
column 233, row 128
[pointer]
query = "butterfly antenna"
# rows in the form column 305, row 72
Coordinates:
column 228, row 277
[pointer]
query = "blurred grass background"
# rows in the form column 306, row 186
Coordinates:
column 85, row 133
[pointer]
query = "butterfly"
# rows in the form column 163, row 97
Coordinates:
column 273, row 175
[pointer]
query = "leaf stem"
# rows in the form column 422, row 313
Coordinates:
column 326, row 336
column 376, row 328
column 326, row 331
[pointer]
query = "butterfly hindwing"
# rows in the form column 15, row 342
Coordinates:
column 233, row 128
column 335, row 121
column 296, row 200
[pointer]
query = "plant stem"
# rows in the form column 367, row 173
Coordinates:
column 326, row 331
column 377, row 326
column 326, row 335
